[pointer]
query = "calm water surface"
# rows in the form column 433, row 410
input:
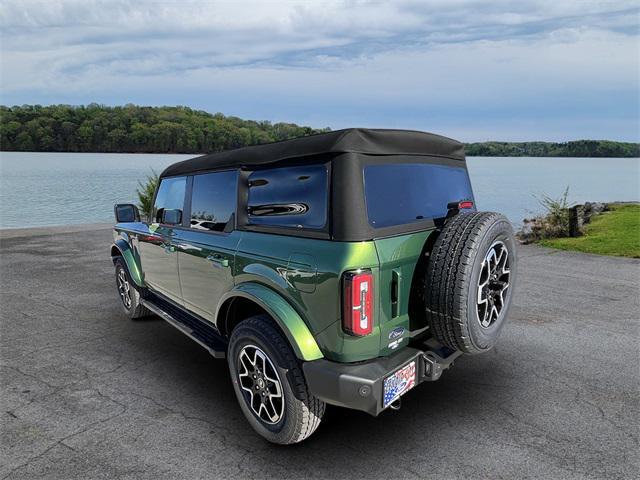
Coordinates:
column 38, row 189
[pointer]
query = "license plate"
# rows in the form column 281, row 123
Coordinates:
column 399, row 383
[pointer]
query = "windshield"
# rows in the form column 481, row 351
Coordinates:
column 397, row 194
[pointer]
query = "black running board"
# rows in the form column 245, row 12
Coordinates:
column 195, row 328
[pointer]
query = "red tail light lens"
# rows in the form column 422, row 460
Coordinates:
column 357, row 310
column 465, row 204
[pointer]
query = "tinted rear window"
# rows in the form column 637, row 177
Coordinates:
column 289, row 197
column 403, row 193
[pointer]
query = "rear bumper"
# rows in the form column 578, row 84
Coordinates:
column 360, row 386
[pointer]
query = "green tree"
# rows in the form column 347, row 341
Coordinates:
column 146, row 191
column 132, row 128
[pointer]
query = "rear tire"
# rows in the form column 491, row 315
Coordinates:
column 129, row 294
column 469, row 281
column 269, row 383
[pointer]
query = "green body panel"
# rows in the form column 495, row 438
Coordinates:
column 204, row 281
column 130, row 257
column 159, row 260
column 307, row 273
column 283, row 313
column 398, row 259
column 297, row 280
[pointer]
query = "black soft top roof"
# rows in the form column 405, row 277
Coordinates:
column 351, row 140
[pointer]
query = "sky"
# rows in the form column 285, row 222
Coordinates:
column 473, row 70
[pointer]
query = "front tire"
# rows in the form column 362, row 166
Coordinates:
column 128, row 293
column 269, row 383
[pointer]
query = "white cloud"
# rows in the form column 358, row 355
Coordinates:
column 501, row 58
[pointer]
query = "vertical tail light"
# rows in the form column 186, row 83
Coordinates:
column 357, row 310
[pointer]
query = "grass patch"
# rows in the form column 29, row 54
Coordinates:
column 616, row 232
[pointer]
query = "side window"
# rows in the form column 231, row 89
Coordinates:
column 170, row 196
column 289, row 197
column 213, row 200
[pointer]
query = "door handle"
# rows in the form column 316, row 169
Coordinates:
column 187, row 246
column 217, row 259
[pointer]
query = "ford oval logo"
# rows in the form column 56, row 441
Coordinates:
column 396, row 333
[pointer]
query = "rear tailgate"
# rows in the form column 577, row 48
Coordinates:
column 401, row 197
column 398, row 257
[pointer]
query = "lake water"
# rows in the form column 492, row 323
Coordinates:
column 41, row 189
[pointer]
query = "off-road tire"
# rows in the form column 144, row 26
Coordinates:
column 453, row 276
column 135, row 309
column 302, row 412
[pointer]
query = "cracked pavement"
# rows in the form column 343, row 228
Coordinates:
column 86, row 393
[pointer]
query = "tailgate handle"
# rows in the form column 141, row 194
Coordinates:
column 396, row 277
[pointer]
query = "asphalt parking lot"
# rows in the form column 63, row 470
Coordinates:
column 87, row 393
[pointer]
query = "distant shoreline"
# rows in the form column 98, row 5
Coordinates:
column 181, row 130
column 573, row 149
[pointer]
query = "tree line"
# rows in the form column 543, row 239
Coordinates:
column 137, row 129
column 578, row 148
column 133, row 129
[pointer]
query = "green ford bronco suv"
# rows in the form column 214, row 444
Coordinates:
column 343, row 268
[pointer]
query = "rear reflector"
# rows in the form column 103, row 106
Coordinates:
column 357, row 309
column 465, row 204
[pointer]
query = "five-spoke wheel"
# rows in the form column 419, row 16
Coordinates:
column 128, row 292
column 493, row 283
column 269, row 382
column 260, row 383
column 124, row 289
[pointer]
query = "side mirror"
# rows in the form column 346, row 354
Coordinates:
column 172, row 216
column 126, row 212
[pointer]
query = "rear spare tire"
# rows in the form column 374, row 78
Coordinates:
column 469, row 281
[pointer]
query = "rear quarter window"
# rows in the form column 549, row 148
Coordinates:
column 289, row 197
column 397, row 194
